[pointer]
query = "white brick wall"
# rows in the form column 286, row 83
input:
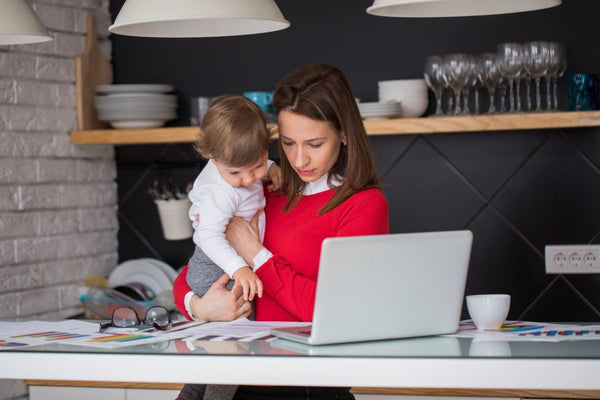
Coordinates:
column 58, row 219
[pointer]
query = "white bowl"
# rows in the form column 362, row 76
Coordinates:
column 412, row 93
column 380, row 106
column 402, row 97
column 405, row 89
column 134, row 100
column 402, row 83
column 412, row 106
column 414, row 111
column 137, row 114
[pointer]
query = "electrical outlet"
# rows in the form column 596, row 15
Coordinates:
column 573, row 259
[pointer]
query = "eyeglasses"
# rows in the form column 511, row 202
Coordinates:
column 156, row 317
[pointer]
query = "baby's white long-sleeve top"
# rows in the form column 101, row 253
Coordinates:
column 215, row 202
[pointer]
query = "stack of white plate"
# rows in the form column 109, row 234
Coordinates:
column 154, row 275
column 379, row 110
column 136, row 105
column 412, row 93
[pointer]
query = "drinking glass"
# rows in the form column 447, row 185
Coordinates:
column 490, row 74
column 518, row 89
column 502, row 88
column 477, row 85
column 536, row 61
column 470, row 82
column 433, row 74
column 527, row 78
column 456, row 67
column 558, row 61
column 582, row 92
column 511, row 55
column 553, row 68
column 450, row 95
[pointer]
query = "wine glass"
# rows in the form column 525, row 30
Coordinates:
column 558, row 66
column 511, row 55
column 502, row 86
column 478, row 83
column 456, row 68
column 470, row 82
column 450, row 95
column 527, row 78
column 433, row 74
column 490, row 74
column 553, row 68
column 536, row 61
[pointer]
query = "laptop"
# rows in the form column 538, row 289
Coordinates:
column 387, row 287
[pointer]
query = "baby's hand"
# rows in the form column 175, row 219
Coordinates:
column 274, row 174
column 250, row 283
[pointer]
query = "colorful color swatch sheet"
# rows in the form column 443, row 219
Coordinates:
column 571, row 333
column 20, row 335
column 10, row 344
column 51, row 335
column 120, row 338
column 507, row 327
column 15, row 335
column 531, row 331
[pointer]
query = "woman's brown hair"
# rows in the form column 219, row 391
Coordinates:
column 234, row 132
column 323, row 93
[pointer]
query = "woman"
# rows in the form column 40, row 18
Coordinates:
column 331, row 189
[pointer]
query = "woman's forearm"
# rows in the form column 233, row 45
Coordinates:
column 217, row 304
column 243, row 237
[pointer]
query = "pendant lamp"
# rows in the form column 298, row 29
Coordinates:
column 19, row 24
column 197, row 18
column 455, row 8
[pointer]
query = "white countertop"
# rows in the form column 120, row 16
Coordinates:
column 415, row 363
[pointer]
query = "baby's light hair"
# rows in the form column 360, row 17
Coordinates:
column 233, row 132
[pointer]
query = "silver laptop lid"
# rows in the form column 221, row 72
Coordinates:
column 390, row 286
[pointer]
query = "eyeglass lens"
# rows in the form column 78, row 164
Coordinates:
column 125, row 317
column 158, row 317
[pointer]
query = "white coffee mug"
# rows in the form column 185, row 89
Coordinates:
column 488, row 311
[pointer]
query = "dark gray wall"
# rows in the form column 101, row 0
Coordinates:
column 516, row 191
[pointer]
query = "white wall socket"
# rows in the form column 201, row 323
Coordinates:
column 573, row 259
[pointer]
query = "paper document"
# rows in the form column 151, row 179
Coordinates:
column 530, row 331
column 34, row 333
column 74, row 332
column 241, row 329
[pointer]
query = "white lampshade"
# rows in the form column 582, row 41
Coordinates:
column 455, row 8
column 19, row 24
column 198, row 18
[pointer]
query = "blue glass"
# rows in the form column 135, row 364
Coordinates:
column 265, row 101
column 582, row 92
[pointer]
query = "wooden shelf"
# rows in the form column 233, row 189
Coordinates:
column 476, row 123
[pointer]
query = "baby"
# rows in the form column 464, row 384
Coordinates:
column 235, row 140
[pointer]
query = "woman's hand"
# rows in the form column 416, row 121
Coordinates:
column 274, row 174
column 220, row 304
column 243, row 237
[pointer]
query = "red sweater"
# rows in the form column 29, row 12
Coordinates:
column 290, row 276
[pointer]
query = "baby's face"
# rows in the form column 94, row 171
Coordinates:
column 242, row 176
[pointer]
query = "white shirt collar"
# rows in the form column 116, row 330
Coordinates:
column 320, row 185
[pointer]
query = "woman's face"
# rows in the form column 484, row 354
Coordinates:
column 311, row 146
